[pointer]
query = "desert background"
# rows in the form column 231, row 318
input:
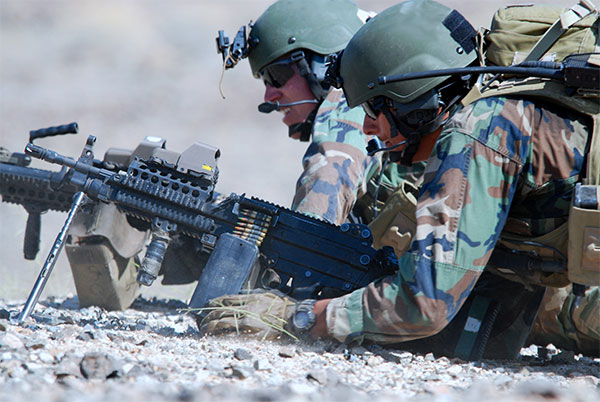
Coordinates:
column 127, row 69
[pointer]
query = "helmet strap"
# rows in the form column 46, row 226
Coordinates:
column 305, row 71
column 305, row 128
column 413, row 139
column 414, row 135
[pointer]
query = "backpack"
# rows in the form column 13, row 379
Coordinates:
column 529, row 33
column 545, row 33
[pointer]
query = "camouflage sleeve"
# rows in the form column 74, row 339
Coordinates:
column 470, row 180
column 334, row 163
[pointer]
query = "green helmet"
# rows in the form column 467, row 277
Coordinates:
column 413, row 36
column 320, row 26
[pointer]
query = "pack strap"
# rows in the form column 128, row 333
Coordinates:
column 593, row 168
column 564, row 22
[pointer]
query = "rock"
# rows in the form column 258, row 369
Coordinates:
column 432, row 377
column 287, row 352
column 542, row 352
column 67, row 367
column 46, row 357
column 242, row 354
column 46, row 319
column 455, row 370
column 530, row 351
column 66, row 319
column 4, row 323
column 241, row 372
column 566, row 357
column 406, row 357
column 443, row 361
column 215, row 366
column 262, row 365
column 85, row 336
column 587, row 380
column 34, row 344
column 429, row 357
column 4, row 314
column 11, row 341
column 374, row 361
column 99, row 366
column 131, row 370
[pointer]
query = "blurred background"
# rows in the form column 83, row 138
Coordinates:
column 127, row 69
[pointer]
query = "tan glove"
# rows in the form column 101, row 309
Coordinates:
column 260, row 312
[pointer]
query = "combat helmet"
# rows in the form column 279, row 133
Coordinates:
column 413, row 36
column 309, row 28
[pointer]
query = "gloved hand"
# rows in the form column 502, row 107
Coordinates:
column 258, row 312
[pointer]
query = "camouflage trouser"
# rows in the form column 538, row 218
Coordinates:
column 568, row 321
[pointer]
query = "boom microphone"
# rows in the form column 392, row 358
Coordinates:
column 268, row 107
column 373, row 147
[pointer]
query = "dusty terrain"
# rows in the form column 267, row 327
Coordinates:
column 153, row 352
column 127, row 69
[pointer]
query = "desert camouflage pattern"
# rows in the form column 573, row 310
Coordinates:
column 568, row 321
column 496, row 159
column 336, row 166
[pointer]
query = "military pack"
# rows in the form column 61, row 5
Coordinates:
column 530, row 33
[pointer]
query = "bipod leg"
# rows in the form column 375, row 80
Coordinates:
column 42, row 278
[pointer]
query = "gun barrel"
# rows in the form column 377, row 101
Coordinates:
column 48, row 155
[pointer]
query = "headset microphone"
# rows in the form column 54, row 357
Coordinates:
column 268, row 107
column 373, row 147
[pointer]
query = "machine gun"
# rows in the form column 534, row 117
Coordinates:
column 39, row 190
column 251, row 242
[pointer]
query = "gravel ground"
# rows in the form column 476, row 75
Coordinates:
column 154, row 352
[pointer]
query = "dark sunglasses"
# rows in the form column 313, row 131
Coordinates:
column 279, row 72
column 276, row 75
column 373, row 107
column 415, row 114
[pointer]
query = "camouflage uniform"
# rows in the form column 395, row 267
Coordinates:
column 497, row 160
column 337, row 169
column 568, row 321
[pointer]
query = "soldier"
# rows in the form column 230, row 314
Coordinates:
column 287, row 47
column 289, row 57
column 497, row 168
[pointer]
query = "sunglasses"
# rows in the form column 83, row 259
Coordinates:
column 278, row 73
column 415, row 114
column 373, row 107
